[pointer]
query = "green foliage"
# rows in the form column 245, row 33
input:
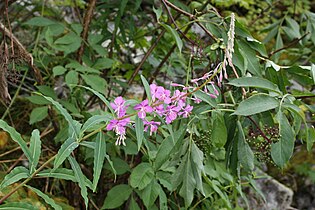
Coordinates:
column 258, row 99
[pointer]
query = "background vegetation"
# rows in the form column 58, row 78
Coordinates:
column 63, row 62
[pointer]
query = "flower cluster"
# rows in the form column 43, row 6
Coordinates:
column 163, row 103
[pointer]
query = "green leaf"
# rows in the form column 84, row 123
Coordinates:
column 175, row 35
column 244, row 153
column 74, row 126
column 133, row 205
column 219, row 131
column 150, row 193
column 206, row 98
column 46, row 198
column 35, row 99
column 178, row 176
column 117, row 196
column 197, row 165
column 14, row 176
column 252, row 60
column 80, row 178
column 282, row 150
column 18, row 206
column 158, row 13
column 255, row 82
column 40, row 21
column 139, row 131
column 96, row 82
column 100, row 96
column 72, row 78
column 293, row 31
column 65, row 150
column 189, row 183
column 17, row 138
column 99, row 157
column 35, row 150
column 94, row 120
column 146, row 87
column 59, row 70
column 38, row 114
column 256, row 104
column 162, row 200
column 141, row 176
column 167, row 146
column 103, row 63
column 58, row 173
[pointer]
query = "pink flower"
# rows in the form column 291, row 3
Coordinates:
column 171, row 113
column 119, row 128
column 186, row 111
column 119, row 106
column 144, row 109
column 163, row 95
column 153, row 89
column 153, row 126
column 159, row 110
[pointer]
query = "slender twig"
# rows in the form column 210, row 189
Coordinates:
column 294, row 42
column 145, row 57
column 87, row 20
column 192, row 17
column 175, row 24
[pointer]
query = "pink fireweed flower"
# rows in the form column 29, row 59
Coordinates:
column 171, row 113
column 196, row 100
column 163, row 95
column 119, row 106
column 144, row 109
column 186, row 111
column 159, row 110
column 152, row 125
column 119, row 127
column 153, row 89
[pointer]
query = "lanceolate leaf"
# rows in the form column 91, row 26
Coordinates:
column 245, row 153
column 17, row 138
column 46, row 198
column 94, row 120
column 175, row 35
column 256, row 104
column 74, row 126
column 99, row 157
column 80, row 178
column 146, row 87
column 117, row 196
column 197, row 165
column 256, row 82
column 150, row 193
column 282, row 150
column 15, row 175
column 219, row 131
column 189, row 183
column 17, row 206
column 139, row 131
column 59, row 173
column 65, row 150
column 35, row 149
column 141, row 176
